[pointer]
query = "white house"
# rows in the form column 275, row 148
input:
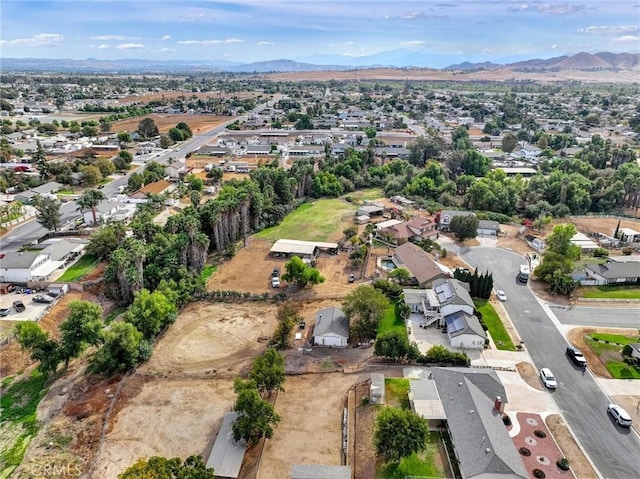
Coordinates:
column 107, row 210
column 21, row 267
column 465, row 331
column 331, row 328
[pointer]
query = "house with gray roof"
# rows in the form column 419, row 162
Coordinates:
column 611, row 273
column 227, row 454
column 464, row 331
column 331, row 328
column 472, row 400
column 25, row 266
column 47, row 189
column 447, row 215
column 488, row 227
column 319, row 471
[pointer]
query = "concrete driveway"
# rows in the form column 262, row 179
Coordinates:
column 33, row 311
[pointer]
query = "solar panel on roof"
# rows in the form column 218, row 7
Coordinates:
column 438, row 288
column 455, row 324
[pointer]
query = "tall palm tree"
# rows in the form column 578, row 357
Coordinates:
column 89, row 200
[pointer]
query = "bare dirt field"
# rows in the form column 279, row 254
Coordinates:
column 255, row 258
column 426, row 74
column 164, row 122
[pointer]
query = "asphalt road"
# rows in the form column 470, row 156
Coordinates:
column 613, row 450
column 31, row 230
column 614, row 317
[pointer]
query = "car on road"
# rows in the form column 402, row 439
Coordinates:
column 275, row 282
column 5, row 312
column 576, row 356
column 548, row 379
column 501, row 295
column 19, row 306
column 619, row 415
column 43, row 298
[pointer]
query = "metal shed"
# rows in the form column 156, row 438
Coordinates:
column 376, row 389
column 226, row 454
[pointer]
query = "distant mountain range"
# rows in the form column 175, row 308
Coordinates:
column 603, row 61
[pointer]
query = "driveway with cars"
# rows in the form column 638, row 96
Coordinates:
column 613, row 449
column 33, row 311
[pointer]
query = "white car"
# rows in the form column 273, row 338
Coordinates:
column 275, row 282
column 548, row 379
column 501, row 295
column 619, row 415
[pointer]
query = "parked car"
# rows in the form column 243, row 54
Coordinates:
column 275, row 282
column 501, row 295
column 5, row 312
column 548, row 379
column 576, row 356
column 275, row 273
column 352, row 278
column 43, row 298
column 619, row 415
column 19, row 306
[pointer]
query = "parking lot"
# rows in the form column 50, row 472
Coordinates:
column 33, row 311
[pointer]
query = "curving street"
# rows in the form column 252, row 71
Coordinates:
column 612, row 449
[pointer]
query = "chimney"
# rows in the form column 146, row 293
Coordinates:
column 498, row 404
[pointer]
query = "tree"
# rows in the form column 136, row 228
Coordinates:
column 41, row 348
column 195, row 183
column 91, row 175
column 120, row 351
column 124, row 137
column 256, row 417
column 370, row 131
column 150, row 312
column 288, row 316
column 48, row 213
column 106, row 166
column 89, row 200
column 186, row 130
column 475, row 164
column 399, row 433
column 558, row 260
column 395, row 345
column 105, row 127
column 300, row 273
column 304, row 123
column 364, row 307
column 176, row 134
column 105, row 240
column 81, row 328
column 509, row 142
column 402, row 275
column 464, row 226
column 59, row 102
column 135, row 181
column 166, row 142
column 147, row 128
column 156, row 467
column 267, row 371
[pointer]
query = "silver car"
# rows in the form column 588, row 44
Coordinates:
column 548, row 379
column 619, row 415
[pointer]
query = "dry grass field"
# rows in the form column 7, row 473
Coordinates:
column 164, row 122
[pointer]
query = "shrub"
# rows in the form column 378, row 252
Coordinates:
column 539, row 474
column 563, row 463
column 600, row 253
column 540, row 434
column 506, row 420
column 524, row 451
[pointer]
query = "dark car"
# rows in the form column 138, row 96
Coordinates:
column 576, row 356
column 275, row 273
column 5, row 312
column 352, row 278
column 43, row 298
column 19, row 306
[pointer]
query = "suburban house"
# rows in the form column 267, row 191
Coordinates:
column 109, row 210
column 629, row 235
column 447, row 215
column 370, row 209
column 473, row 406
column 176, row 169
column 318, row 471
column 25, row 197
column 610, row 273
column 22, row 267
column 331, row 328
column 447, row 305
column 47, row 189
column 488, row 227
column 423, row 267
column 306, row 250
column 226, row 454
column 156, row 188
column 416, row 229
column 635, row 350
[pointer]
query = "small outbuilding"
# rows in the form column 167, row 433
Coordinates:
column 226, row 454
column 376, row 388
column 58, row 289
column 331, row 328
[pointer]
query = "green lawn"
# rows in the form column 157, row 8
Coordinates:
column 80, row 269
column 609, row 355
column 65, row 191
column 368, row 194
column 320, row 220
column 422, row 464
column 616, row 338
column 392, row 321
column 618, row 292
column 396, row 391
column 18, row 420
column 496, row 328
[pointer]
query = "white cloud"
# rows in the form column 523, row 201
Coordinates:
column 209, row 42
column 610, row 29
column 130, row 46
column 554, row 46
column 264, row 43
column 560, row 9
column 627, row 38
column 168, row 50
column 523, row 7
column 166, row 37
column 36, row 41
column 413, row 43
column 102, row 47
column 117, row 38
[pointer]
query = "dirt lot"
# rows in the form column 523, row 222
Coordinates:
column 164, row 122
column 233, row 276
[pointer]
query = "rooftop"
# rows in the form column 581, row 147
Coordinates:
column 227, row 455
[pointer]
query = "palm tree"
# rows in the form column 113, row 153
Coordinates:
column 89, row 200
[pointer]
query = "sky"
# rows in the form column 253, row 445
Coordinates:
column 260, row 30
